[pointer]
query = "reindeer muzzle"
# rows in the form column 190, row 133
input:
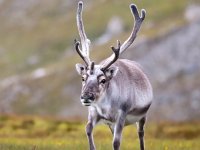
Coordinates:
column 87, row 99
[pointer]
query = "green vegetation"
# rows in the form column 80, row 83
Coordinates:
column 33, row 133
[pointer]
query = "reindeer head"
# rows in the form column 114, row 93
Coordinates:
column 96, row 78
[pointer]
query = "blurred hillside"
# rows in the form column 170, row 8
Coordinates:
column 37, row 57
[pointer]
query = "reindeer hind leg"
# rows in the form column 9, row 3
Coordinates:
column 140, row 128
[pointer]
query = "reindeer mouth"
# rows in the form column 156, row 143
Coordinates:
column 86, row 102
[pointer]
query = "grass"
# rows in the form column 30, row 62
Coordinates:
column 101, row 144
column 34, row 133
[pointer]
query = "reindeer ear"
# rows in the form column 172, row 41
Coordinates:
column 111, row 72
column 80, row 68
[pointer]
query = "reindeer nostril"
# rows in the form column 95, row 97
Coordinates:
column 92, row 96
column 82, row 97
column 88, row 96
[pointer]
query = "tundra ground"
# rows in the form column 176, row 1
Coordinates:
column 34, row 133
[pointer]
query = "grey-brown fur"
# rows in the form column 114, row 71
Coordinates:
column 117, row 91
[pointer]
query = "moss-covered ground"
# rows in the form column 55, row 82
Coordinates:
column 35, row 133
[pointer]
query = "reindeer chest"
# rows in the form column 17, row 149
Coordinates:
column 107, row 114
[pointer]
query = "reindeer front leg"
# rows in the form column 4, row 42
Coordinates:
column 118, row 130
column 92, row 121
column 89, row 128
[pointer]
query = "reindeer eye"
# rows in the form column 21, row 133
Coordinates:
column 103, row 81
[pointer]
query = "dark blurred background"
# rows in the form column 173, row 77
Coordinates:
column 37, row 58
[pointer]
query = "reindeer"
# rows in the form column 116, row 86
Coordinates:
column 116, row 91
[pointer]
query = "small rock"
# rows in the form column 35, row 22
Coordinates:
column 39, row 73
column 192, row 12
column 114, row 27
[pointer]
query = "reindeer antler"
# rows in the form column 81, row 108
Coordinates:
column 130, row 40
column 85, row 42
column 116, row 56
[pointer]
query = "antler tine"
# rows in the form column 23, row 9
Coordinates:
column 116, row 52
column 137, row 24
column 76, row 45
column 85, row 42
column 138, row 21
